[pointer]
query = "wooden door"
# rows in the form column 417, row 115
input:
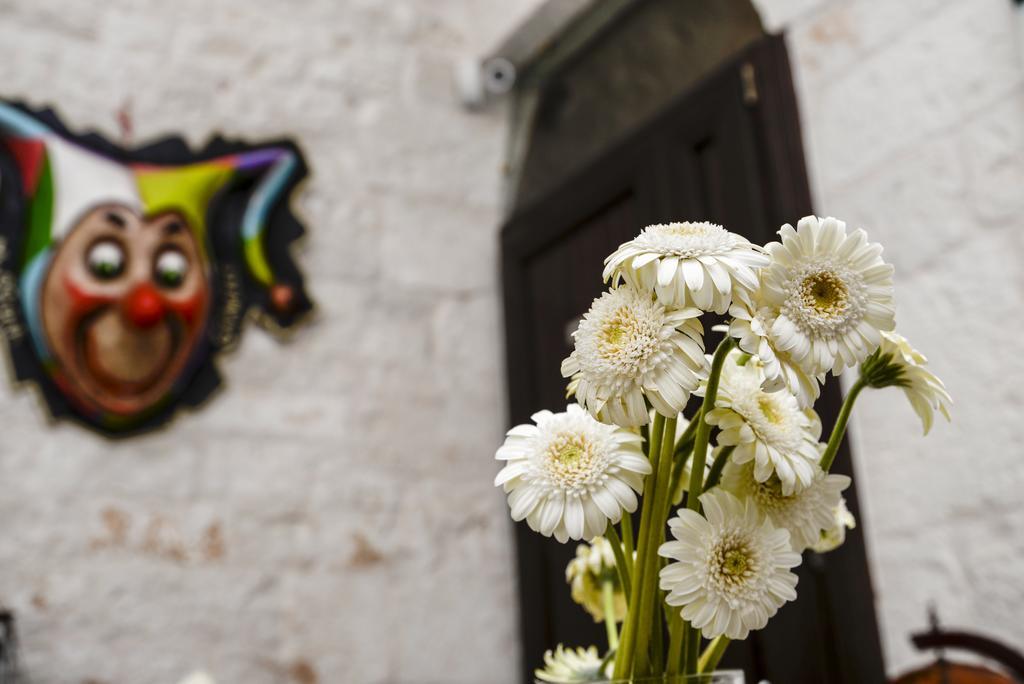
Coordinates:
column 728, row 151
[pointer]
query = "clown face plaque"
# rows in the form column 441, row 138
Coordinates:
column 124, row 272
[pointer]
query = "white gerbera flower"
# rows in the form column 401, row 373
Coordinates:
column 569, row 665
column 628, row 347
column 833, row 537
column 768, row 428
column 750, row 324
column 688, row 264
column 896, row 363
column 732, row 570
column 593, row 565
column 831, row 292
column 805, row 513
column 568, row 475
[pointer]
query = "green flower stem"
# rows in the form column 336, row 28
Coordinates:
column 703, row 434
column 657, row 626
column 604, row 661
column 675, row 644
column 700, row 451
column 685, row 441
column 840, row 427
column 623, row 566
column 627, row 538
column 608, row 594
column 713, row 654
column 624, row 656
column 650, row 593
column 682, row 454
column 691, row 649
column 678, row 469
column 716, row 468
column 683, row 450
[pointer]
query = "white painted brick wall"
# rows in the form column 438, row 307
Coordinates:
column 328, row 517
column 306, row 517
column 913, row 115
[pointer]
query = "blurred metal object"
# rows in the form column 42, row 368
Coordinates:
column 554, row 25
column 8, row 648
column 945, row 671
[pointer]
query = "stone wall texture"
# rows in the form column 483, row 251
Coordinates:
column 913, row 116
column 329, row 516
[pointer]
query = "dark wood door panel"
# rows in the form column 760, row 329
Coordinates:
column 564, row 279
column 552, row 263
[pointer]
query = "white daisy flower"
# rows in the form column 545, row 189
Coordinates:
column 750, row 325
column 833, row 537
column 896, row 363
column 568, row 475
column 805, row 513
column 628, row 347
column 593, row 565
column 688, row 264
column 570, row 665
column 732, row 569
column 768, row 428
column 831, row 292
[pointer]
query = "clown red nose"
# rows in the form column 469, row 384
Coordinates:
column 143, row 306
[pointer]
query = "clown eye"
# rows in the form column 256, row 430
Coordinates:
column 171, row 267
column 105, row 259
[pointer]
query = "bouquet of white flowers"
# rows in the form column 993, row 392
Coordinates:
column 748, row 469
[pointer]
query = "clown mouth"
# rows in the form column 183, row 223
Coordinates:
column 122, row 358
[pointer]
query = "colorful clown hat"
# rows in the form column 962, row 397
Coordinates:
column 69, row 201
column 62, row 181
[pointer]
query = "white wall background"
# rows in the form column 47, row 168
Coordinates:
column 329, row 516
column 913, row 116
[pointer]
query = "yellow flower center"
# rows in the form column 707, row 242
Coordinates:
column 685, row 229
column 769, row 410
column 824, row 292
column 571, row 459
column 734, row 563
column 569, row 455
column 614, row 334
column 772, row 486
column 768, row 494
column 625, row 337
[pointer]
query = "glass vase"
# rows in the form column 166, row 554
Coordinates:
column 719, row 677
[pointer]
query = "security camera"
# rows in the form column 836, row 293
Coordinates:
column 480, row 81
column 499, row 75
